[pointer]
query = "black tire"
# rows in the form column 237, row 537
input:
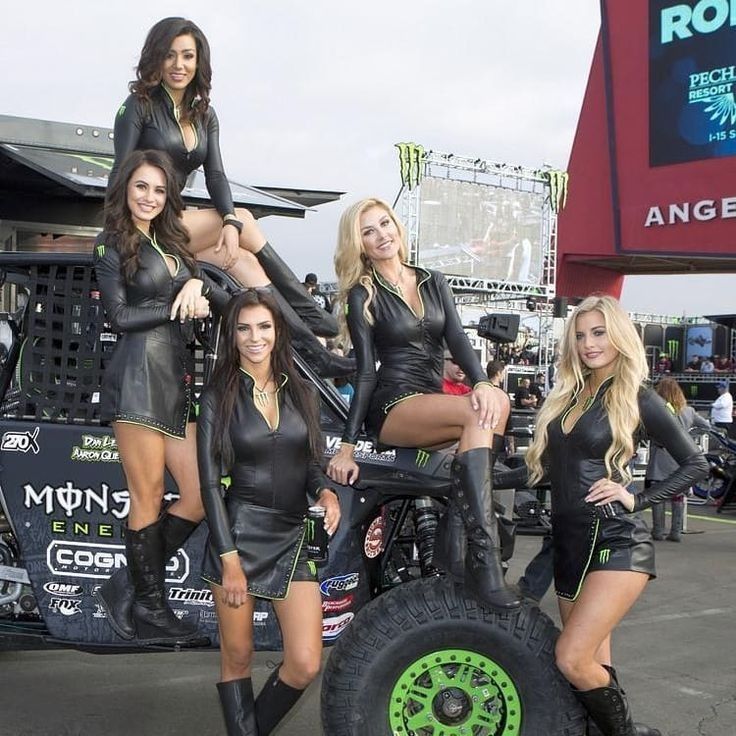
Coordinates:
column 422, row 633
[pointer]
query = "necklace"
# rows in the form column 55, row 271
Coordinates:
column 261, row 396
column 397, row 284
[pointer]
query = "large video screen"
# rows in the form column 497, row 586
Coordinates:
column 479, row 230
column 692, row 80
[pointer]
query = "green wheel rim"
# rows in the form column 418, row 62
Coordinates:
column 454, row 692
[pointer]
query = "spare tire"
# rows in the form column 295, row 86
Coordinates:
column 425, row 660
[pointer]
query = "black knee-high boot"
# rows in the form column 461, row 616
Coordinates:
column 116, row 594
column 236, row 698
column 154, row 621
column 658, row 521
column 471, row 503
column 325, row 363
column 282, row 277
column 609, row 711
column 274, row 702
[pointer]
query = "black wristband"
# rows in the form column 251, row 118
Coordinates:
column 237, row 224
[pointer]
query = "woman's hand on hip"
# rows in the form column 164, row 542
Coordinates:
column 342, row 468
column 331, row 504
column 234, row 582
column 230, row 240
column 606, row 491
column 185, row 303
column 491, row 403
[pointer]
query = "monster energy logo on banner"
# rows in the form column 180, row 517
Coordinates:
column 673, row 349
column 557, row 181
column 603, row 556
column 411, row 163
column 693, row 390
column 422, row 458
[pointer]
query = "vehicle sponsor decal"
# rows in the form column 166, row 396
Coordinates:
column 96, row 449
column 54, row 587
column 21, row 442
column 99, row 561
column 75, row 528
column 334, row 626
column 192, row 596
column 336, row 606
column 339, row 584
column 67, row 499
column 207, row 616
column 373, row 544
column 260, row 617
column 65, row 606
column 99, row 611
column 364, row 450
column 422, row 458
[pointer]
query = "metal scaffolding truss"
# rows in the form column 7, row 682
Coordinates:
column 491, row 173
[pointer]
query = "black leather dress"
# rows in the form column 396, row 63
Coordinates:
column 272, row 482
column 139, row 126
column 149, row 378
column 588, row 537
column 409, row 348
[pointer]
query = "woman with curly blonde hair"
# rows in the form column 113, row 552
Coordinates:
column 401, row 316
column 586, row 435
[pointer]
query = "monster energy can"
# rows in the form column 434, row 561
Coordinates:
column 316, row 534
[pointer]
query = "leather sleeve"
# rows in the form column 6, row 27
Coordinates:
column 361, row 334
column 128, row 126
column 216, row 295
column 122, row 316
column 209, row 476
column 316, row 481
column 662, row 427
column 214, row 171
column 455, row 337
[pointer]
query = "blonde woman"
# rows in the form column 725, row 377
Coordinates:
column 586, row 434
column 401, row 315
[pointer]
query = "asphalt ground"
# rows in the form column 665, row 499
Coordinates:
column 675, row 654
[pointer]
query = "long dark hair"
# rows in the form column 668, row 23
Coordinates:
column 226, row 376
column 156, row 47
column 167, row 225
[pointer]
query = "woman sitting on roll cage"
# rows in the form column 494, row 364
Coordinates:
column 259, row 421
column 586, row 435
column 402, row 315
column 151, row 288
column 169, row 109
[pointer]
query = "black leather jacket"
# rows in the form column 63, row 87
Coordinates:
column 271, row 468
column 409, row 348
column 139, row 126
column 574, row 461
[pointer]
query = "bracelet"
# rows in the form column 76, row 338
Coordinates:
column 206, row 290
column 237, row 224
column 351, row 445
column 227, row 554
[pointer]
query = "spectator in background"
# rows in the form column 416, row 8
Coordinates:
column 453, row 378
column 723, row 364
column 707, row 365
column 694, row 364
column 311, row 284
column 721, row 410
column 537, row 389
column 664, row 364
column 523, row 398
column 495, row 370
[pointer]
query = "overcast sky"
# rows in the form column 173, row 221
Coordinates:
column 315, row 93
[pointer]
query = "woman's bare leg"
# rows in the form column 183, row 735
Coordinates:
column 236, row 636
column 142, row 454
column 181, row 461
column 605, row 599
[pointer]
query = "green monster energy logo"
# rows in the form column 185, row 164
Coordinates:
column 310, row 530
column 693, row 390
column 101, row 250
column 603, row 556
column 673, row 349
column 411, row 160
column 422, row 458
column 121, row 111
column 557, row 181
column 312, row 565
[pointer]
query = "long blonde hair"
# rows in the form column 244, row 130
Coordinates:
column 620, row 401
column 352, row 266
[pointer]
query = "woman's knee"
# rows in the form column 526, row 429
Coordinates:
column 568, row 659
column 236, row 658
column 302, row 669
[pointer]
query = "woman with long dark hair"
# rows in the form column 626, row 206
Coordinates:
column 585, row 436
column 401, row 316
column 169, row 109
column 259, row 423
column 151, row 289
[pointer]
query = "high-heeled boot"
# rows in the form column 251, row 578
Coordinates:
column 658, row 521
column 678, row 515
column 472, row 501
column 154, row 621
column 116, row 594
column 236, row 699
column 319, row 321
column 609, row 712
column 274, row 701
column 325, row 363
